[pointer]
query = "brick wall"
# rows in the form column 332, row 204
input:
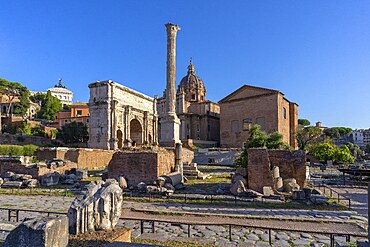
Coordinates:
column 261, row 161
column 141, row 166
column 84, row 157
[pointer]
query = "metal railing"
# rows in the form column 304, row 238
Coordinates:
column 331, row 192
column 152, row 226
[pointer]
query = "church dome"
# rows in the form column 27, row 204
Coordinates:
column 192, row 85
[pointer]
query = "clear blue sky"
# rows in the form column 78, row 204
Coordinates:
column 316, row 52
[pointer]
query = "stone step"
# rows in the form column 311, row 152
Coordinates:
column 193, row 173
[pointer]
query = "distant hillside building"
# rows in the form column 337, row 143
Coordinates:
column 79, row 112
column 62, row 93
column 251, row 105
column 357, row 137
column 200, row 118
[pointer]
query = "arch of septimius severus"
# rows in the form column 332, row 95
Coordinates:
column 120, row 117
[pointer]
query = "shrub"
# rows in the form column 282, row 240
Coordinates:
column 14, row 150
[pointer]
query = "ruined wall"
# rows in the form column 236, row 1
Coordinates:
column 261, row 162
column 84, row 157
column 36, row 171
column 139, row 167
column 187, row 155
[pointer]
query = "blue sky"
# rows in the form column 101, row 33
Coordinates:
column 316, row 52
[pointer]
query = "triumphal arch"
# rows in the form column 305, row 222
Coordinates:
column 120, row 117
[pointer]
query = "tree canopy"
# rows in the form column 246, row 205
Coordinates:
column 304, row 122
column 13, row 90
column 49, row 105
column 328, row 151
column 336, row 132
column 259, row 139
column 74, row 132
column 307, row 136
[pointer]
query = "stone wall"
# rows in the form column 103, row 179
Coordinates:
column 83, row 157
column 141, row 166
column 24, row 140
column 292, row 164
column 35, row 170
column 187, row 155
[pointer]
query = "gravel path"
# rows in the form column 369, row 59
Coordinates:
column 358, row 196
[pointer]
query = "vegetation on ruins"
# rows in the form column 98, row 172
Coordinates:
column 328, row 151
column 15, row 150
column 259, row 139
column 74, row 132
column 13, row 90
column 49, row 105
column 304, row 122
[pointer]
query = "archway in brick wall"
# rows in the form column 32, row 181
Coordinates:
column 136, row 132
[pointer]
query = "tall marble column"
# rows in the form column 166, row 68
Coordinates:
column 170, row 123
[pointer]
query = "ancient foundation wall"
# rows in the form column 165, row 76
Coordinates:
column 33, row 170
column 262, row 161
column 187, row 155
column 24, row 140
column 139, row 167
column 83, row 157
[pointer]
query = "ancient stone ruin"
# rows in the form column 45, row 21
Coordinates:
column 42, row 231
column 98, row 207
column 273, row 171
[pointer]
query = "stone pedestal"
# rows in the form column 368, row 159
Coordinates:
column 170, row 131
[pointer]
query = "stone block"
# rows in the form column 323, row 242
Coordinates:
column 298, row 195
column 279, row 184
column 40, row 232
column 50, row 179
column 12, row 184
column 122, row 182
column 267, row 191
column 81, row 173
column 8, row 174
column 290, row 184
column 31, row 183
column 169, row 186
column 237, row 177
column 141, row 187
column 307, row 192
column 238, row 188
column 276, row 172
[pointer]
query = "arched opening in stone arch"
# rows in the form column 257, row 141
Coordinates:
column 119, row 139
column 136, row 132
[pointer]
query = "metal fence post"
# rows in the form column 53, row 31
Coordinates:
column 141, row 226
column 270, row 236
column 230, row 233
column 189, row 231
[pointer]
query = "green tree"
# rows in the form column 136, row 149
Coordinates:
column 324, row 151
column 343, row 154
column 337, row 132
column 354, row 149
column 307, row 136
column 49, row 105
column 304, row 122
column 74, row 132
column 13, row 90
column 259, row 139
column 367, row 148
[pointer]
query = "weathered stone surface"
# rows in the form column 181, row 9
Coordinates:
column 141, row 187
column 290, row 184
column 237, row 177
column 31, row 183
column 122, row 182
column 267, row 191
column 169, row 186
column 291, row 164
column 98, row 207
column 26, row 177
column 50, row 179
column 298, row 195
column 81, row 173
column 40, row 232
column 12, row 184
column 1, row 181
column 8, row 174
column 238, row 188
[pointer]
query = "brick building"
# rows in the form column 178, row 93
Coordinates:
column 251, row 105
column 79, row 112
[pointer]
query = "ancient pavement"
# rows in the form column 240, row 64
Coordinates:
column 217, row 235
